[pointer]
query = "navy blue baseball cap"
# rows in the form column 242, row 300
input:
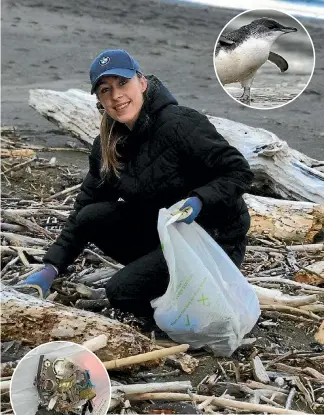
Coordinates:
column 112, row 62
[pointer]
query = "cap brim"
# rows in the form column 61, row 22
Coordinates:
column 125, row 73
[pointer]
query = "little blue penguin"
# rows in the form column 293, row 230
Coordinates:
column 240, row 53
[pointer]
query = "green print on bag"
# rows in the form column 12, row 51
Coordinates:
column 190, row 301
column 204, row 300
column 182, row 285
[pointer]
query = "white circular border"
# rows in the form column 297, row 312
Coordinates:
column 310, row 77
column 62, row 342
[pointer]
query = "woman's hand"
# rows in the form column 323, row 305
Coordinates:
column 40, row 282
column 195, row 204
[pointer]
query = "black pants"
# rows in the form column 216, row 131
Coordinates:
column 131, row 238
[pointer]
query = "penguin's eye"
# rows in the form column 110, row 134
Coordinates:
column 272, row 26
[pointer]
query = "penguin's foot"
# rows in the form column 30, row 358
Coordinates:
column 245, row 100
column 246, row 97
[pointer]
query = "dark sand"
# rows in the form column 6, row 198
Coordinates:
column 51, row 44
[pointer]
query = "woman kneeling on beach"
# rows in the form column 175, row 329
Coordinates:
column 150, row 154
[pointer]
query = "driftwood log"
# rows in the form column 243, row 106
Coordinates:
column 279, row 170
column 288, row 221
column 39, row 321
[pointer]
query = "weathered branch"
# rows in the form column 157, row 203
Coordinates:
column 278, row 169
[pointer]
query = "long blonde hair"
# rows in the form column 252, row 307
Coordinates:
column 111, row 132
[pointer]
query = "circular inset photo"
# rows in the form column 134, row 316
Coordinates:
column 264, row 58
column 60, row 378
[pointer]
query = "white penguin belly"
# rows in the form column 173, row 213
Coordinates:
column 243, row 61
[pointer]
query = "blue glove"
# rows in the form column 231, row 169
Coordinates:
column 41, row 280
column 195, row 204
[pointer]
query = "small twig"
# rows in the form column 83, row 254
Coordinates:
column 205, row 403
column 7, row 266
column 290, row 398
column 63, row 192
column 116, row 266
column 285, row 316
column 311, row 272
column 22, row 257
column 286, row 281
column 18, row 166
column 175, row 372
column 144, row 357
column 26, row 222
column 291, row 310
column 129, row 390
column 96, row 343
column 267, row 400
column 279, row 359
column 13, row 250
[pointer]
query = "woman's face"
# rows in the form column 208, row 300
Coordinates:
column 122, row 98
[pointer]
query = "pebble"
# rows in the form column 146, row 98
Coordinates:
column 279, row 382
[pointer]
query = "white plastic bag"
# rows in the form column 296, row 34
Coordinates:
column 208, row 302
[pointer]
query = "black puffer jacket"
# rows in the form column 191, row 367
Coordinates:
column 171, row 153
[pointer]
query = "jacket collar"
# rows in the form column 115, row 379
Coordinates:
column 156, row 97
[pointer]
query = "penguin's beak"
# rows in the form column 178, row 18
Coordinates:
column 285, row 29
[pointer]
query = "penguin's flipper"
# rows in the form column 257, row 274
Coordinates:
column 223, row 41
column 278, row 61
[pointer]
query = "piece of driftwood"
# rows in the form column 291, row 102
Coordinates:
column 33, row 227
column 290, row 398
column 71, row 114
column 110, row 264
column 273, row 296
column 40, row 321
column 285, row 281
column 149, row 375
column 64, row 192
column 97, row 275
column 278, row 169
column 314, row 373
column 11, row 227
column 258, row 385
column 290, row 310
column 23, row 240
column 5, row 385
column 96, row 343
column 313, row 274
column 315, row 308
column 223, row 402
column 288, row 221
column 92, row 305
column 13, row 250
column 40, row 212
column 319, row 335
column 179, row 386
column 24, row 316
column 19, row 153
column 145, row 357
column 7, row 368
column 259, row 372
column 279, row 315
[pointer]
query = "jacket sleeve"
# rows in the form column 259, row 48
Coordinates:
column 228, row 172
column 70, row 242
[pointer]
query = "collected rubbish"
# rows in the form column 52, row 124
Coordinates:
column 208, row 302
column 64, row 387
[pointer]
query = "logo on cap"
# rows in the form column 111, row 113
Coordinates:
column 104, row 60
